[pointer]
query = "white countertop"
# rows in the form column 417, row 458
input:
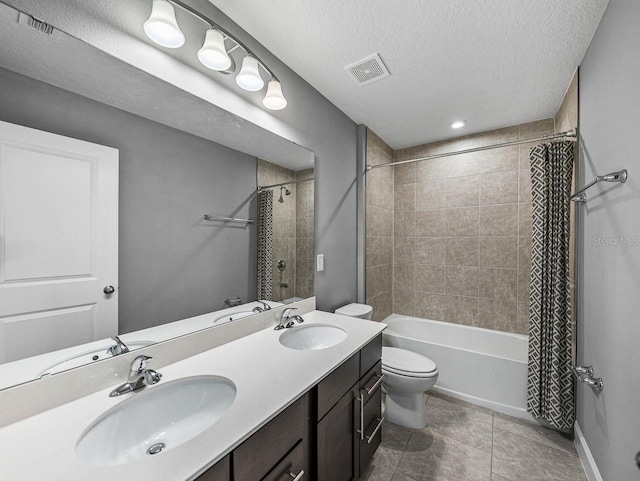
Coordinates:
column 268, row 378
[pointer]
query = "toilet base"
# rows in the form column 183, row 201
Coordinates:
column 406, row 409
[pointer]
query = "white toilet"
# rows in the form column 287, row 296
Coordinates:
column 407, row 376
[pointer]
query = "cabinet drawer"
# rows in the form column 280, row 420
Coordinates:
column 333, row 387
column 291, row 468
column 221, row 471
column 370, row 355
column 371, row 382
column 258, row 454
column 373, row 429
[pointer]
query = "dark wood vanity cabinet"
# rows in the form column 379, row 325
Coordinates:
column 349, row 407
column 329, row 434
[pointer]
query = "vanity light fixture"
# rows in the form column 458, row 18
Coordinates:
column 458, row 124
column 162, row 27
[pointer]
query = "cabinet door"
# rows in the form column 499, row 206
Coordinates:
column 291, row 468
column 337, row 442
column 372, row 420
column 221, row 471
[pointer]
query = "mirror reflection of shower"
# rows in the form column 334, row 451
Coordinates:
column 286, row 192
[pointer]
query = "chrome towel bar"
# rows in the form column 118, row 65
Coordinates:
column 620, row 176
column 218, row 218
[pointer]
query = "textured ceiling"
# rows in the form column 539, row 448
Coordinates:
column 492, row 63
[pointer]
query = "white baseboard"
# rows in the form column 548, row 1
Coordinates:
column 588, row 463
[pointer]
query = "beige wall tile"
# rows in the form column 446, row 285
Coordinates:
column 499, row 188
column 523, row 318
column 524, row 253
column 404, row 277
column 429, row 278
column 463, row 191
column 376, row 140
column 524, row 285
column 430, row 306
column 524, row 219
column 498, row 283
column 461, row 281
column 404, row 250
column 379, row 222
column 498, row 252
column 434, row 169
column 430, row 250
column 461, row 310
column 462, row 165
column 403, row 302
column 524, row 186
column 430, row 195
column 405, row 173
column 499, row 315
column 461, row 251
column 499, row 220
column 431, row 223
column 536, row 128
column 404, row 197
column 462, row 221
column 404, row 224
column 379, row 251
column 379, row 193
column 498, row 160
column 382, row 306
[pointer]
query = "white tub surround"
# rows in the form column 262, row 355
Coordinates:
column 268, row 378
column 485, row 367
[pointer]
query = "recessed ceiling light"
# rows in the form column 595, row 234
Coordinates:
column 458, row 123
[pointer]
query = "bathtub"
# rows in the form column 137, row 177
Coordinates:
column 484, row 367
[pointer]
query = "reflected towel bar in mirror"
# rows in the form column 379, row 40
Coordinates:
column 218, row 218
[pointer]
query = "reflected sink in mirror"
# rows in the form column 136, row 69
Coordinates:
column 232, row 317
column 88, row 358
column 313, row 337
column 156, row 420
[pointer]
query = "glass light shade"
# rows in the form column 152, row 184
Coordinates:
column 162, row 27
column 274, row 100
column 213, row 53
column 249, row 77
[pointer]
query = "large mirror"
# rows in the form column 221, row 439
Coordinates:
column 211, row 212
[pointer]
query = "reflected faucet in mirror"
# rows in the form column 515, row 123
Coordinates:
column 119, row 347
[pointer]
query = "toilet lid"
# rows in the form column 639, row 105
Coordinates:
column 406, row 362
column 354, row 310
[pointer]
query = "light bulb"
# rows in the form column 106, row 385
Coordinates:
column 249, row 76
column 458, row 124
column 274, row 100
column 162, row 27
column 213, row 53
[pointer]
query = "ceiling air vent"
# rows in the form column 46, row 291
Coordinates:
column 368, row 70
column 38, row 25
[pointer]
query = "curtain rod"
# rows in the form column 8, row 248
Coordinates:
column 572, row 134
column 262, row 187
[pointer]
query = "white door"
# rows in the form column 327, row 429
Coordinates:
column 58, row 242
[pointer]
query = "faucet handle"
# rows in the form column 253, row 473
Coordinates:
column 285, row 313
column 140, row 363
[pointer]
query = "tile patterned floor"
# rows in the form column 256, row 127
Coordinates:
column 464, row 442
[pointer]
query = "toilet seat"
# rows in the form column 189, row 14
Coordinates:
column 407, row 363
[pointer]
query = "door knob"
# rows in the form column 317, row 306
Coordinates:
column 109, row 290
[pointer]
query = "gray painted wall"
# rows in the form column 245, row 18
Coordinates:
column 171, row 265
column 609, row 271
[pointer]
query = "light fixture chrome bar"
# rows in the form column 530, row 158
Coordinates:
column 212, row 24
column 620, row 176
column 281, row 184
column 570, row 134
column 218, row 218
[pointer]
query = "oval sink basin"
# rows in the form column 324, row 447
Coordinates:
column 156, row 420
column 88, row 357
column 315, row 336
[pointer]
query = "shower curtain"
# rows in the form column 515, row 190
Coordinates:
column 265, row 244
column 550, row 390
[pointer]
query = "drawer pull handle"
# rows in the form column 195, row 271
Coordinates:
column 361, row 430
column 297, row 477
column 370, row 437
column 377, row 383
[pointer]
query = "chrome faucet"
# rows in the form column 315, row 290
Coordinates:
column 139, row 377
column 119, row 348
column 265, row 307
column 286, row 320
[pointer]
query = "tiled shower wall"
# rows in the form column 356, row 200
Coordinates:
column 379, row 229
column 462, row 243
column 305, row 241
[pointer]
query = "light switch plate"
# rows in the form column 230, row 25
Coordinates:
column 320, row 262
